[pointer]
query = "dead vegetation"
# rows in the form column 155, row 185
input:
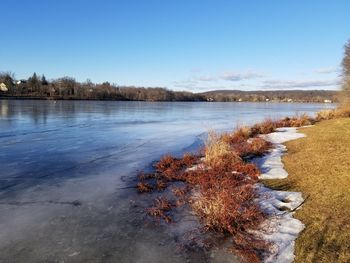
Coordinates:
column 161, row 209
column 143, row 187
column 342, row 112
column 220, row 188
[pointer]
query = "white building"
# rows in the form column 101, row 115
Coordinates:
column 3, row 87
column 327, row 101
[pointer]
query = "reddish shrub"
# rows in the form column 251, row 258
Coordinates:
column 265, row 127
column 161, row 184
column 189, row 160
column 241, row 134
column 170, row 168
column 258, row 146
column 180, row 192
column 297, row 121
column 253, row 147
column 168, row 163
column 143, row 187
column 226, row 161
column 142, row 176
column 160, row 208
column 285, row 122
column 301, row 120
column 163, row 203
column 247, row 169
column 226, row 203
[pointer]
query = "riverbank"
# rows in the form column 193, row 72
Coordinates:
column 319, row 167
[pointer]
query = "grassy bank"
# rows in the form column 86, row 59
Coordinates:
column 319, row 167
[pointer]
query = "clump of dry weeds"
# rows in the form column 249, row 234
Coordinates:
column 161, row 209
column 342, row 112
column 143, row 187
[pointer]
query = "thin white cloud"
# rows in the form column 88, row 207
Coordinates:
column 328, row 70
column 185, row 82
column 239, row 76
column 291, row 84
column 207, row 78
column 196, row 70
column 226, row 76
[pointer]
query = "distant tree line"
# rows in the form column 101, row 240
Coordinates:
column 274, row 95
column 68, row 88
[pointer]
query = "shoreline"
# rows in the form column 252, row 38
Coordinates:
column 126, row 100
column 226, row 178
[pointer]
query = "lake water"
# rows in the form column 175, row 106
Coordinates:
column 68, row 169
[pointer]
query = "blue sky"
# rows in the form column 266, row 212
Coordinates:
column 193, row 45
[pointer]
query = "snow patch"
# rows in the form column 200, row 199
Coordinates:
column 282, row 229
column 271, row 165
column 283, row 135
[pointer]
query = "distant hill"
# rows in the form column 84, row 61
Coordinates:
column 273, row 95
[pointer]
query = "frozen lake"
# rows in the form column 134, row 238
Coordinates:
column 68, row 167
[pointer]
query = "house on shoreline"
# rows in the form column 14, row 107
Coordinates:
column 3, row 87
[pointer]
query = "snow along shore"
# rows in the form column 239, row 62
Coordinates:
column 282, row 229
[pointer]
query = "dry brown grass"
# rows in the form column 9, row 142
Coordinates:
column 240, row 134
column 215, row 149
column 319, row 167
column 341, row 112
column 264, row 127
column 269, row 125
column 301, row 120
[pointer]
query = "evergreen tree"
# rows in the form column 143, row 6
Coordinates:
column 34, row 83
column 44, row 81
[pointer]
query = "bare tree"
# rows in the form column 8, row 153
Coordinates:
column 346, row 73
